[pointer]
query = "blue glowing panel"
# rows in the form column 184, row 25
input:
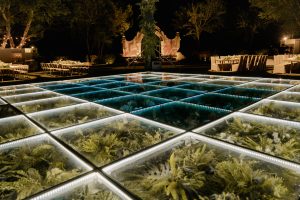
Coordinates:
column 104, row 94
column 248, row 92
column 173, row 93
column 132, row 103
column 139, row 88
column 226, row 102
column 203, row 87
column 77, row 90
column 182, row 115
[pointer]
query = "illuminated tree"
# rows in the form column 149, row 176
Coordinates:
column 22, row 21
column 200, row 17
column 285, row 12
column 148, row 25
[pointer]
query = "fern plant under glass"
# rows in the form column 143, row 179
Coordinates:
column 202, row 172
column 42, row 166
column 104, row 143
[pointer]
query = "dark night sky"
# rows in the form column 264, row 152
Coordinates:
column 227, row 40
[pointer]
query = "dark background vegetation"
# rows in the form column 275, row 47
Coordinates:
column 62, row 39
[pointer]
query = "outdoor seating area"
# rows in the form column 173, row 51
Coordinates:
column 11, row 72
column 66, row 67
column 238, row 63
column 289, row 63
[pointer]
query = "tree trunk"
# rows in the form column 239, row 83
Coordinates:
column 26, row 30
column 6, row 17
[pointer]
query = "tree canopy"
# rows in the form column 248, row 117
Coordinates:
column 199, row 17
column 285, row 12
column 22, row 21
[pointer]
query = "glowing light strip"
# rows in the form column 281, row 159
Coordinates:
column 20, row 118
column 31, row 94
column 31, row 140
column 22, row 90
column 252, row 154
column 268, row 84
column 145, row 153
column 248, row 117
column 70, row 107
column 62, row 97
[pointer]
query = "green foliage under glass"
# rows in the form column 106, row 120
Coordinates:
column 41, row 166
column 277, row 111
column 278, row 140
column 46, row 105
column 78, row 115
column 16, row 129
column 114, row 140
column 198, row 172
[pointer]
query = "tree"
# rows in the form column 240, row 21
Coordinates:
column 99, row 21
column 250, row 23
column 285, row 12
column 24, row 20
column 148, row 26
column 200, row 17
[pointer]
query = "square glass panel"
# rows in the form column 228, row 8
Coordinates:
column 193, row 167
column 225, row 82
column 95, row 82
column 108, row 140
column 288, row 96
column 182, row 115
column 132, row 103
column 203, row 87
column 116, row 84
column 235, row 78
column 17, row 127
column 49, row 83
column 7, row 111
column 266, row 86
column 71, row 115
column 92, row 186
column 47, row 104
column 15, row 87
column 20, row 91
column 273, row 137
column 139, row 88
column 168, row 83
column 141, row 80
column 31, row 97
column 77, row 90
column 174, row 94
column 227, row 102
column 276, row 109
column 280, row 81
column 60, row 86
column 209, row 76
column 191, row 80
column 103, row 94
column 247, row 92
column 34, row 164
